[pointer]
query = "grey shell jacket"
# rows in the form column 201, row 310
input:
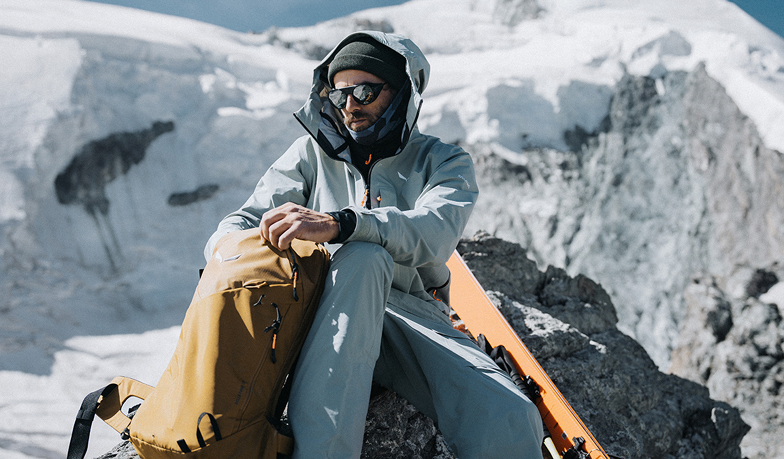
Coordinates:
column 420, row 198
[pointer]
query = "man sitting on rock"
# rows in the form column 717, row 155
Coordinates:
column 394, row 203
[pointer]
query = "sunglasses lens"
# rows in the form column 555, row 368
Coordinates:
column 364, row 94
column 338, row 98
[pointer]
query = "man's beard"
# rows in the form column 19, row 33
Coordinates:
column 358, row 116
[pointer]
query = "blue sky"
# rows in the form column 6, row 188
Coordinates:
column 769, row 12
column 255, row 15
column 249, row 15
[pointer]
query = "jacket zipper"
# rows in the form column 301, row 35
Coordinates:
column 366, row 197
column 366, row 200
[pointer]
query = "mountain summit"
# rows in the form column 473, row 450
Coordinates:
column 638, row 143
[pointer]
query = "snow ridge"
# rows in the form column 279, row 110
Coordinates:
column 88, row 295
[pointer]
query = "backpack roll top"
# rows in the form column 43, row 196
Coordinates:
column 244, row 259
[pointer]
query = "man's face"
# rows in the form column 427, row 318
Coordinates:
column 356, row 116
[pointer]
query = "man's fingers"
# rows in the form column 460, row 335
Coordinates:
column 276, row 230
column 268, row 220
column 280, row 226
column 283, row 232
column 285, row 239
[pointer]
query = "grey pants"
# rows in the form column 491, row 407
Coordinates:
column 367, row 331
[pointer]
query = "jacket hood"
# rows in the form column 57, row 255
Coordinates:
column 324, row 122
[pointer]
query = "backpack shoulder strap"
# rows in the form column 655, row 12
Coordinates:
column 107, row 403
column 110, row 407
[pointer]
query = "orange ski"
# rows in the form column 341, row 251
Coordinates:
column 470, row 302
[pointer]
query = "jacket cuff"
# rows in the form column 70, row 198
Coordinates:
column 347, row 221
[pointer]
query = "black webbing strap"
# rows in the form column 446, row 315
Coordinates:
column 505, row 361
column 283, row 398
column 577, row 451
column 215, row 429
column 183, row 446
column 80, row 435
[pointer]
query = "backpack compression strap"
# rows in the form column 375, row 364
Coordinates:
column 107, row 402
column 80, row 435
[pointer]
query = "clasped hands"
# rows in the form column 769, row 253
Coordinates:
column 290, row 221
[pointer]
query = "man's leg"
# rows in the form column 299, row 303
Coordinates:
column 331, row 387
column 477, row 407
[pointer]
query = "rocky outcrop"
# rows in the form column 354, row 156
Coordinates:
column 513, row 12
column 201, row 193
column 676, row 183
column 632, row 408
column 568, row 323
column 732, row 341
column 101, row 161
column 677, row 186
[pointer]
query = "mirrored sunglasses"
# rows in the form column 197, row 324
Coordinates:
column 364, row 94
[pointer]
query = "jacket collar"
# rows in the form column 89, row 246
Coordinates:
column 323, row 121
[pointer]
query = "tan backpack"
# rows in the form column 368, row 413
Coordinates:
column 219, row 396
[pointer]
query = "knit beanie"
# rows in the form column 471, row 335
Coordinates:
column 370, row 56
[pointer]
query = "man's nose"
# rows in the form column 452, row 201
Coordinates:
column 351, row 104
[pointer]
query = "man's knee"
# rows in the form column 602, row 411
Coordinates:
column 510, row 427
column 519, row 433
column 365, row 257
column 358, row 283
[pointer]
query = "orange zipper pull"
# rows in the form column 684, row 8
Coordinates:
column 364, row 197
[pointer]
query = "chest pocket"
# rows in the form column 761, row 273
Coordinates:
column 384, row 195
column 395, row 189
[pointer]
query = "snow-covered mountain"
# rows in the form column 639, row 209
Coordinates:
column 126, row 135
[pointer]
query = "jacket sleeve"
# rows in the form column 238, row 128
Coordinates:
column 426, row 235
column 287, row 180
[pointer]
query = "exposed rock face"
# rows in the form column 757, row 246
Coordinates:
column 100, row 162
column 676, row 186
column 189, row 197
column 732, row 340
column 568, row 323
column 676, row 183
column 513, row 12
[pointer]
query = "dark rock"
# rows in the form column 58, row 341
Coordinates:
column 568, row 323
column 123, row 450
column 396, row 429
column 101, row 161
column 189, row 197
column 732, row 340
column 761, row 282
